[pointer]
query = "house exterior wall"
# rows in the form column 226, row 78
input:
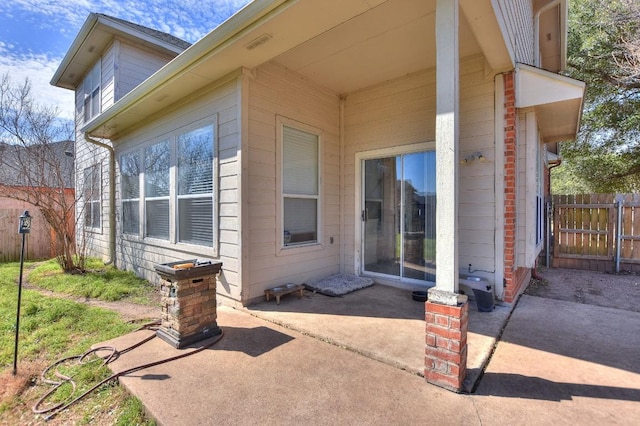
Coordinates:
column 521, row 191
column 92, row 241
column 522, row 149
column 108, row 76
column 123, row 66
column 220, row 107
column 517, row 16
column 529, row 173
column 276, row 94
column 134, row 65
column 402, row 112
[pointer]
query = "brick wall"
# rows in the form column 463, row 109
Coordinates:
column 515, row 278
column 446, row 344
column 510, row 161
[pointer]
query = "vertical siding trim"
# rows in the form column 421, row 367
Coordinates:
column 531, row 151
column 343, row 225
column 243, row 176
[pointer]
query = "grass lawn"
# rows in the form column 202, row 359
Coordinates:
column 52, row 328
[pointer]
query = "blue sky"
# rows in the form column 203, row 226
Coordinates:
column 35, row 34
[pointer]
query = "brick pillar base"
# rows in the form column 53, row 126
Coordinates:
column 446, row 344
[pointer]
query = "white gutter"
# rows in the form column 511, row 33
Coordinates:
column 112, row 197
column 224, row 35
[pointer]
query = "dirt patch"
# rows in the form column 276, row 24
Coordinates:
column 620, row 291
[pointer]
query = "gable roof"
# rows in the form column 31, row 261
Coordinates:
column 96, row 34
column 178, row 42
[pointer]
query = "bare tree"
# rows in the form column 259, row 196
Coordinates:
column 627, row 57
column 36, row 164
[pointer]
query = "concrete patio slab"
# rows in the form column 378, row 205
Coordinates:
column 382, row 323
column 261, row 373
column 558, row 363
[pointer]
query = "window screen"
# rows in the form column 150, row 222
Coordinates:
column 300, row 186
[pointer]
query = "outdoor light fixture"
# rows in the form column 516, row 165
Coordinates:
column 24, row 228
column 476, row 156
column 25, row 223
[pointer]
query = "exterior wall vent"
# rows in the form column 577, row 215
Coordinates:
column 258, row 41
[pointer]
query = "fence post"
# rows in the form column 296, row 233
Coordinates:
column 549, row 233
column 619, row 205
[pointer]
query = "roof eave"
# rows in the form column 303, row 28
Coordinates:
column 222, row 36
column 73, row 50
column 557, row 99
column 91, row 23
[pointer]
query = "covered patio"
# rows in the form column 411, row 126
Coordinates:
column 382, row 323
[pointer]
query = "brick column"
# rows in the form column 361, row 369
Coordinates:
column 446, row 344
column 510, row 182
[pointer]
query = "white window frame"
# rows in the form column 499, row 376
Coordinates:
column 180, row 197
column 137, row 199
column 89, row 205
column 281, row 247
column 92, row 88
column 147, row 199
column 172, row 138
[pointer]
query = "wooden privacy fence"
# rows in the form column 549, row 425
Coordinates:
column 37, row 242
column 596, row 232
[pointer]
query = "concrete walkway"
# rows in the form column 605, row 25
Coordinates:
column 564, row 363
column 558, row 363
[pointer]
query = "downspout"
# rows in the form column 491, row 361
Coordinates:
column 112, row 197
column 548, row 213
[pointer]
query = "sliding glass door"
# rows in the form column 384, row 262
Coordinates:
column 398, row 216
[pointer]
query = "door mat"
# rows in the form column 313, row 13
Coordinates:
column 338, row 284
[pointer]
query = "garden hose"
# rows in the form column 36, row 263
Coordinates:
column 112, row 355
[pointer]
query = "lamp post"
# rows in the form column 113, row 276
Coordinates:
column 24, row 228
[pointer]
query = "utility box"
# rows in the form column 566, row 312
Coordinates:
column 188, row 298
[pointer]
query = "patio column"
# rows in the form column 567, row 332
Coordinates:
column 446, row 311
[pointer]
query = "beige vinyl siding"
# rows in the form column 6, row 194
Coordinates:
column 95, row 242
column 517, row 16
column 529, row 146
column 134, row 65
column 138, row 65
column 521, row 191
column 107, row 80
column 139, row 254
column 276, row 92
column 402, row 112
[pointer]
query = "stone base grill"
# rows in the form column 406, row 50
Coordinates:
column 188, row 302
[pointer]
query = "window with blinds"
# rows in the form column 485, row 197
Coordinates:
column 157, row 191
column 91, row 195
column 300, row 186
column 130, row 181
column 195, row 186
column 91, row 89
column 167, row 188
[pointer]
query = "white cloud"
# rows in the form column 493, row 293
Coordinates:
column 189, row 20
column 38, row 69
